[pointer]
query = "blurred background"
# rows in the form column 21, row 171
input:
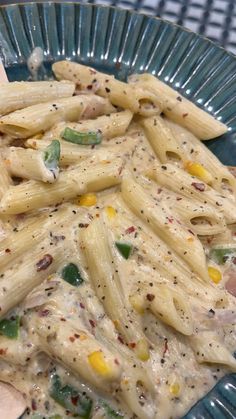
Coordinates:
column 215, row 19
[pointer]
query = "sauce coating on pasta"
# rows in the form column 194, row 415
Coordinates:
column 117, row 249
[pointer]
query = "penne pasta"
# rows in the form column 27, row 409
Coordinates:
column 5, row 179
column 164, row 223
column 219, row 176
column 40, row 117
column 29, row 164
column 85, row 178
column 180, row 109
column 181, row 182
column 162, row 140
column 18, row 95
column 109, row 126
column 138, row 100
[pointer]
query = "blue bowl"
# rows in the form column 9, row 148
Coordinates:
column 123, row 42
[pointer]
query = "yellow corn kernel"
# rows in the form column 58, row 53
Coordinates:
column 142, row 350
column 196, row 169
column 98, row 363
column 87, row 200
column 83, row 337
column 174, row 389
column 214, row 274
column 136, row 302
column 111, row 212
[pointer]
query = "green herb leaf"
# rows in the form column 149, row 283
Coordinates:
column 70, row 273
column 71, row 399
column 52, row 155
column 10, row 327
column 82, row 138
column 111, row 413
column 125, row 249
column 221, row 255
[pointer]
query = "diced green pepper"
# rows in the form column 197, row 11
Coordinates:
column 71, row 399
column 110, row 413
column 52, row 155
column 82, row 138
column 125, row 249
column 10, row 327
column 71, row 274
column 221, row 255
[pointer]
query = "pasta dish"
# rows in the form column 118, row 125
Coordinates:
column 117, row 252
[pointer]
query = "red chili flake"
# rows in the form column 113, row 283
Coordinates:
column 72, row 339
column 89, row 87
column 116, row 361
column 82, row 305
column 44, row 313
column 107, row 89
column 179, row 98
column 130, row 230
column 62, row 319
column 3, row 351
column 93, row 324
column 199, row 186
column 74, row 400
column 178, row 198
column 165, row 347
column 120, row 339
column 185, row 114
column 159, row 190
column 170, row 219
column 76, row 336
column 33, row 405
column 150, row 297
column 190, row 231
column 7, row 250
column 132, row 345
column 44, row 263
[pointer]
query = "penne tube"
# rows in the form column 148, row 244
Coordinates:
column 179, row 109
column 78, row 350
column 20, row 241
column 182, row 183
column 29, row 164
column 105, row 279
column 74, row 153
column 33, row 270
column 18, row 95
column 165, row 225
column 109, row 126
column 5, row 179
column 161, row 139
column 86, row 177
column 138, row 100
column 161, row 257
column 203, row 220
column 209, row 348
column 196, row 152
column 39, row 118
column 169, row 305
